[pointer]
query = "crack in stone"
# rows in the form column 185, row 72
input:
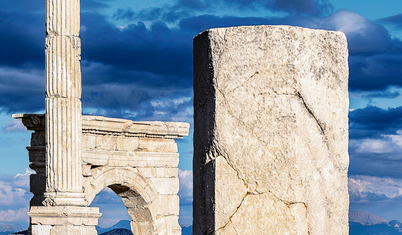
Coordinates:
column 320, row 124
column 287, row 203
column 231, row 216
column 224, row 155
column 244, row 82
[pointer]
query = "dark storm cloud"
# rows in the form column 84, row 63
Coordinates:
column 374, row 57
column 368, row 196
column 21, row 90
column 158, row 50
column 311, row 7
column 22, row 40
column 200, row 23
column 375, row 164
column 374, row 145
column 122, row 67
column 385, row 94
column 125, row 69
column 22, row 56
column 314, row 7
column 167, row 14
column 395, row 20
column 364, row 36
column 183, row 9
column 90, row 5
column 373, row 121
column 377, row 72
column 26, row 6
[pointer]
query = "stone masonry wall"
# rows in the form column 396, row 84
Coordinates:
column 271, row 131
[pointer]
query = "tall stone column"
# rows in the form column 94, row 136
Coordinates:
column 270, row 131
column 63, row 104
column 64, row 210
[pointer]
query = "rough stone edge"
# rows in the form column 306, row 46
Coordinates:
column 104, row 125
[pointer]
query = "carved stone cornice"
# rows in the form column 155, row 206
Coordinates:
column 122, row 127
column 99, row 125
column 33, row 122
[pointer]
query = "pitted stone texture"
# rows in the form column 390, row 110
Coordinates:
column 64, row 220
column 271, row 131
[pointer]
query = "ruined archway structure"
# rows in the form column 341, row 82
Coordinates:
column 137, row 160
column 74, row 157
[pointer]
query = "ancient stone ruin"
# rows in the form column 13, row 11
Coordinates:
column 271, row 131
column 270, row 141
column 74, row 157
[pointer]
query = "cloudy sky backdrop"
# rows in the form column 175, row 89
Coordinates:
column 137, row 64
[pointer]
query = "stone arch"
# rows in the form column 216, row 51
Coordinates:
column 137, row 193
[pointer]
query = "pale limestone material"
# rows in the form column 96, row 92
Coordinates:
column 63, row 104
column 49, row 220
column 271, row 131
column 139, row 166
column 74, row 157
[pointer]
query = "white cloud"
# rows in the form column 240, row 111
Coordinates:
column 397, row 139
column 184, row 116
column 10, row 195
column 22, row 180
column 361, row 186
column 159, row 113
column 14, row 192
column 14, row 126
column 164, row 103
column 346, row 21
column 186, row 185
column 14, row 215
column 374, row 146
column 384, row 144
column 363, row 35
column 105, row 223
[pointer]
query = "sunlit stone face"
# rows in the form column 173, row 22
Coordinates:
column 271, row 131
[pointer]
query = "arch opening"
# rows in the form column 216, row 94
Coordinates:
column 114, row 213
column 136, row 192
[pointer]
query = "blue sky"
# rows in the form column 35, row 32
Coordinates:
column 137, row 64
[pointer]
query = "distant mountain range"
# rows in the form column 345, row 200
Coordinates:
column 122, row 224
column 118, row 231
column 123, row 228
column 365, row 223
column 6, row 228
column 360, row 223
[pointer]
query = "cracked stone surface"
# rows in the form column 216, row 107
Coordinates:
column 271, row 131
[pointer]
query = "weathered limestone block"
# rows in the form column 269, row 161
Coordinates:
column 64, row 220
column 271, row 131
column 120, row 143
column 166, row 185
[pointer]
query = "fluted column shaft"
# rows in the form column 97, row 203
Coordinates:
column 63, row 103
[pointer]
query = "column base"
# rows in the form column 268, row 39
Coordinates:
column 71, row 220
column 64, row 199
